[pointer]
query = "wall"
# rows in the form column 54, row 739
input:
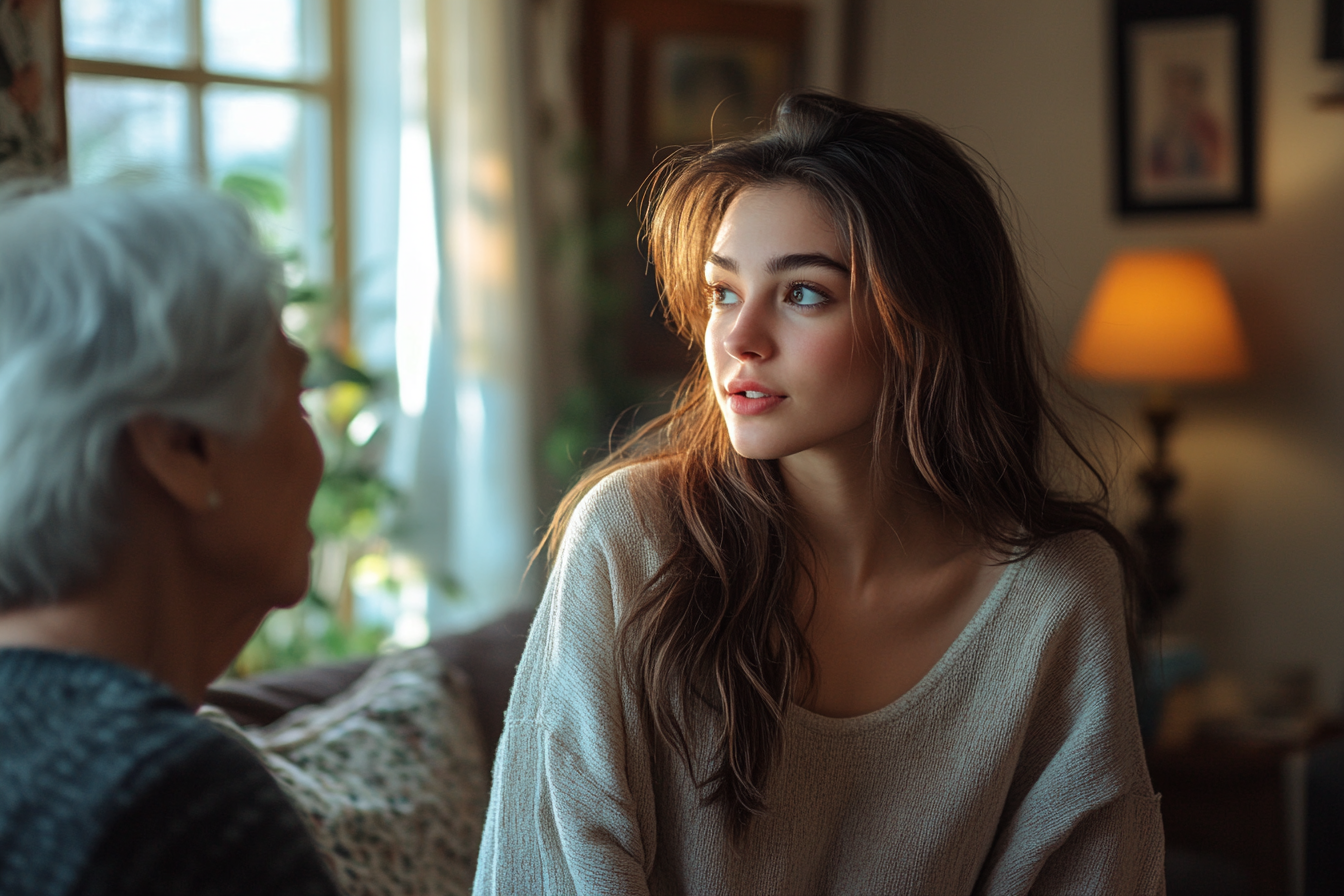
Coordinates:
column 1026, row 83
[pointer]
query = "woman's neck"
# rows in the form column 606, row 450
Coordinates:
column 860, row 527
column 894, row 580
column 142, row 612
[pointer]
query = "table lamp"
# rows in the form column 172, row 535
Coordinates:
column 1160, row 317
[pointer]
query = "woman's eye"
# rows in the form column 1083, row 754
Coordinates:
column 723, row 296
column 806, row 296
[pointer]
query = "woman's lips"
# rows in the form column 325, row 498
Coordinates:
column 742, row 403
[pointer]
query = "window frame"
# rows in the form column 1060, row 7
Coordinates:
column 333, row 89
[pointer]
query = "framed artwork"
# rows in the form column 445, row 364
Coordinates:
column 666, row 73
column 1185, row 105
column 707, row 86
column 662, row 74
column 1332, row 33
column 32, row 89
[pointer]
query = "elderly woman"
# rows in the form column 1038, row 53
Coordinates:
column 156, row 472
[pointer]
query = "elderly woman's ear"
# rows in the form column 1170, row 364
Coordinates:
column 180, row 457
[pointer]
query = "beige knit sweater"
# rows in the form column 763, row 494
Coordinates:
column 1014, row 766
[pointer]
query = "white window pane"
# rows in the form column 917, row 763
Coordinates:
column 270, row 147
column 123, row 128
column 148, row 31
column 266, row 38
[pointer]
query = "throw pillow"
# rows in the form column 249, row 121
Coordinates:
column 389, row 774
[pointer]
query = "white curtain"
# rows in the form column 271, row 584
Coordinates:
column 476, row 444
column 442, row 286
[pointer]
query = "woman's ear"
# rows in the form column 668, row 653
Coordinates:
column 179, row 457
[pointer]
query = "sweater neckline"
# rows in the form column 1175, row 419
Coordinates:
column 28, row 664
column 904, row 703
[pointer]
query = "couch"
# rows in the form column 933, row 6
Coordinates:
column 488, row 656
column 388, row 759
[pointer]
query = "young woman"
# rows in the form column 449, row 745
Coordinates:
column 826, row 627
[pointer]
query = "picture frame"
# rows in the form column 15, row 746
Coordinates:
column 657, row 75
column 1332, row 29
column 1185, row 106
column 32, row 90
column 706, row 86
column 658, row 72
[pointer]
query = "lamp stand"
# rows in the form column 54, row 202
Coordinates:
column 1159, row 532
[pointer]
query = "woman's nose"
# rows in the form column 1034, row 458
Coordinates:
column 749, row 336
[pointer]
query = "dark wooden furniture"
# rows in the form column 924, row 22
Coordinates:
column 1223, row 802
column 1244, row 808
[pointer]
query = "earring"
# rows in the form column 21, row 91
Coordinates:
column 213, row 500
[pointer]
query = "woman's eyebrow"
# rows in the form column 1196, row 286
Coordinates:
column 805, row 260
column 785, row 263
column 721, row 262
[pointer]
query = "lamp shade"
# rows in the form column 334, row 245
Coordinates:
column 1159, row 316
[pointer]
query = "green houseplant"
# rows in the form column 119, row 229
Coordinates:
column 353, row 510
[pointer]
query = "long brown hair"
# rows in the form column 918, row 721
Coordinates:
column 932, row 260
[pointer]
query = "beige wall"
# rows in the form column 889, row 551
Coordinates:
column 1025, row 82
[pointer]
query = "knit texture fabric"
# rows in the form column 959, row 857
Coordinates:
column 112, row 786
column 1014, row 766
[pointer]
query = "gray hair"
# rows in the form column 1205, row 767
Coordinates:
column 114, row 303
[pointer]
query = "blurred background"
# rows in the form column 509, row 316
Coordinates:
column 451, row 183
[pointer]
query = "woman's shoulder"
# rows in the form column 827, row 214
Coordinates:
column 630, row 503
column 1072, row 582
column 91, row 717
column 1075, row 562
column 242, row 830
column 1065, row 638
column 615, row 540
column 87, row 737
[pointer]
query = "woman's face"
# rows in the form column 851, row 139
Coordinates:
column 266, row 487
column 790, row 371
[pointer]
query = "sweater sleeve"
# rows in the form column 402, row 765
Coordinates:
column 215, row 823
column 563, row 815
column 1081, row 817
column 1116, row 848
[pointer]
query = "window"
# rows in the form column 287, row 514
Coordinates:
column 249, row 96
column 242, row 94
column 424, row 518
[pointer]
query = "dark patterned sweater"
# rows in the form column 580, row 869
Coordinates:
column 109, row 785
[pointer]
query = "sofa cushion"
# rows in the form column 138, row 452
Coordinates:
column 488, row 656
column 389, row 774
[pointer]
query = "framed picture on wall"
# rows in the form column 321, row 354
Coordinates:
column 1185, row 105
column 707, row 86
column 32, row 89
column 663, row 74
column 666, row 73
